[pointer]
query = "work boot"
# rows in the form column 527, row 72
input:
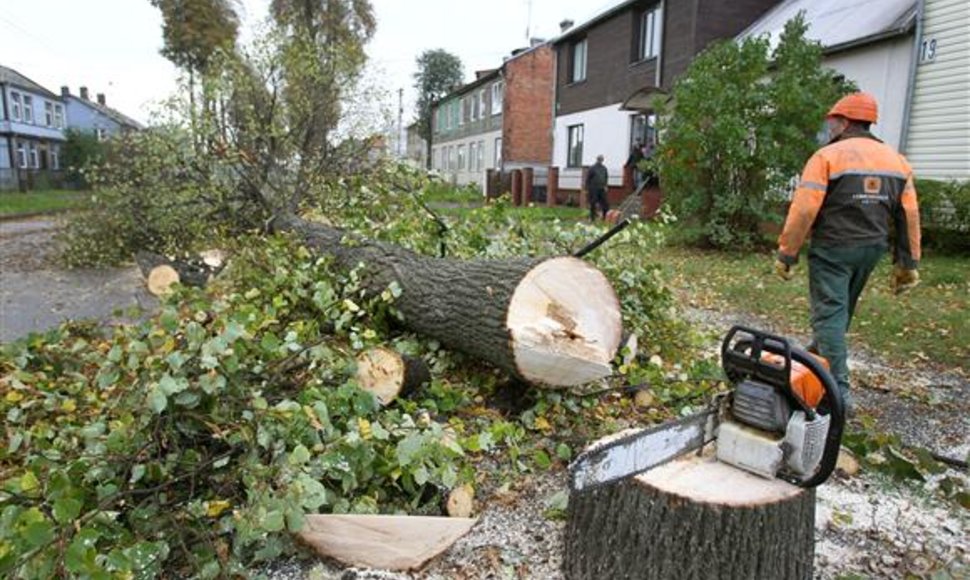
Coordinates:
column 848, row 403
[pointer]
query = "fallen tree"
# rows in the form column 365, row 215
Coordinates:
column 548, row 321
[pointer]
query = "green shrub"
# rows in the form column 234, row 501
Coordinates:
column 945, row 214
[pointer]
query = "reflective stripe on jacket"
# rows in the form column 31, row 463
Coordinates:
column 849, row 193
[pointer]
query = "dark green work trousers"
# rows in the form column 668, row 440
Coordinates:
column 836, row 277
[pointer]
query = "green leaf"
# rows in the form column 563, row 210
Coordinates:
column 66, row 510
column 273, row 521
column 37, row 534
column 157, row 401
column 299, row 455
column 542, row 459
column 564, row 452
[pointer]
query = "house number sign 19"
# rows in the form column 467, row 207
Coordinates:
column 927, row 50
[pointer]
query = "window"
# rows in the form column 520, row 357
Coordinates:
column 461, row 158
column 101, row 133
column 462, row 111
column 16, row 106
column 59, row 116
column 472, row 156
column 578, row 62
column 497, row 90
column 55, row 156
column 481, row 104
column 476, row 108
column 28, row 109
column 21, row 155
column 455, row 114
column 481, row 155
column 34, row 162
column 49, row 113
column 574, row 156
column 451, row 158
column 498, row 152
column 643, row 130
column 651, row 22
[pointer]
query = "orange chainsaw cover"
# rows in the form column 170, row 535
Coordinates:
column 803, row 382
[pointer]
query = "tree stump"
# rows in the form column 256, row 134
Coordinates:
column 548, row 321
column 694, row 518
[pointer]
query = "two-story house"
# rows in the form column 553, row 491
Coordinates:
column 609, row 68
column 96, row 117
column 499, row 122
column 32, row 122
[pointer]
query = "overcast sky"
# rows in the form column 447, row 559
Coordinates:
column 111, row 46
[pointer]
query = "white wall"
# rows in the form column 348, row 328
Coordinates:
column 606, row 132
column 881, row 69
column 466, row 176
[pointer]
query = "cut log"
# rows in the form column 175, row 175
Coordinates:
column 389, row 374
column 160, row 280
column 461, row 501
column 387, row 542
column 692, row 518
column 548, row 321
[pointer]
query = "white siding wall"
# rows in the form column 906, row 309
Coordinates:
column 881, row 69
column 466, row 176
column 938, row 144
column 606, row 131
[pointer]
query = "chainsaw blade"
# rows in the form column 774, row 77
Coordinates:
column 633, row 452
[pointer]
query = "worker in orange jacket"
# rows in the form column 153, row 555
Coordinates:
column 851, row 192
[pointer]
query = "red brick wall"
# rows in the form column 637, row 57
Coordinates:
column 527, row 114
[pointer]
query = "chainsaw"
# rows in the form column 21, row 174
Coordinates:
column 783, row 417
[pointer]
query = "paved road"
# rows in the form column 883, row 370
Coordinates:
column 36, row 294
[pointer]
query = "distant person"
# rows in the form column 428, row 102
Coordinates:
column 636, row 155
column 596, row 183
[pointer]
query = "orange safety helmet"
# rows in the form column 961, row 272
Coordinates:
column 857, row 107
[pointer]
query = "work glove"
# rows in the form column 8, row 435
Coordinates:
column 784, row 270
column 904, row 280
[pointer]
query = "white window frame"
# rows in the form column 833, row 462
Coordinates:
column 574, row 150
column 461, row 158
column 497, row 96
column 472, row 157
column 497, row 157
column 101, row 133
column 451, row 158
column 651, row 25
column 55, row 154
column 28, row 109
column 21, row 155
column 49, row 113
column 578, row 57
column 16, row 106
column 58, row 115
column 481, row 155
column 461, row 112
column 481, row 104
column 34, row 158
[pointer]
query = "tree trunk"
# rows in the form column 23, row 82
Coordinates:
column 389, row 374
column 548, row 321
column 694, row 518
column 161, row 272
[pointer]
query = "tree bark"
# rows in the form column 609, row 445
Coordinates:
column 547, row 321
column 694, row 518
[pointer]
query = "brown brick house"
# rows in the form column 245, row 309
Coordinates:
column 609, row 67
column 499, row 122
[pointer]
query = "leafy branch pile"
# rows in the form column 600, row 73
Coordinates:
column 193, row 442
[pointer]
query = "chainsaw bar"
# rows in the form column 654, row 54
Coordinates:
column 633, row 452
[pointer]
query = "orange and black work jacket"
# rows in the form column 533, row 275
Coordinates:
column 850, row 191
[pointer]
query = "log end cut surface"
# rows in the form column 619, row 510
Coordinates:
column 706, row 480
column 565, row 322
column 384, row 542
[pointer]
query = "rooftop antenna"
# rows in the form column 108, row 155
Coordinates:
column 528, row 22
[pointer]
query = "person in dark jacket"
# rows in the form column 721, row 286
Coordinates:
column 636, row 155
column 596, row 183
column 852, row 193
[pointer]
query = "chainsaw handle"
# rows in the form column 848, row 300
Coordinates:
column 836, row 407
column 741, row 358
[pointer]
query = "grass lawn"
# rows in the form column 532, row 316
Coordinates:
column 929, row 324
column 16, row 203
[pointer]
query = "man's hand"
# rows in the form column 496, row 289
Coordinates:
column 904, row 280
column 784, row 270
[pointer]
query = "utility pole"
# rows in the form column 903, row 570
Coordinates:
column 401, row 147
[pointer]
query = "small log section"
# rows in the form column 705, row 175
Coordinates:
column 694, row 518
column 389, row 374
column 548, row 321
